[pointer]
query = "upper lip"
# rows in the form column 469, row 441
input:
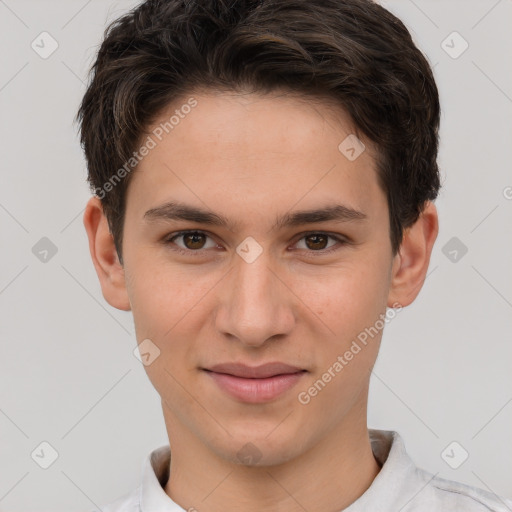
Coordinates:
column 254, row 372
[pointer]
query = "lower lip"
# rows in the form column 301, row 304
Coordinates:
column 255, row 390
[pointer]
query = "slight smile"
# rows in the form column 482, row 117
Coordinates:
column 255, row 384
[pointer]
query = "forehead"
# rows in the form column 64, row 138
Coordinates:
column 254, row 152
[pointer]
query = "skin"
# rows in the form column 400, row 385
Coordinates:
column 253, row 158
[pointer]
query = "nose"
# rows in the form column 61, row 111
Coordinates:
column 256, row 303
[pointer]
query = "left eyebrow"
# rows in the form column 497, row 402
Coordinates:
column 338, row 213
column 175, row 210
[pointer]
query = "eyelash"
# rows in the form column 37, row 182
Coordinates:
column 169, row 240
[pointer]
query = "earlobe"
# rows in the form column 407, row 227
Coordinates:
column 104, row 256
column 410, row 265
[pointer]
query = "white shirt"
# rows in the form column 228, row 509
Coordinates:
column 400, row 486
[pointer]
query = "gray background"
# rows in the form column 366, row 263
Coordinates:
column 68, row 374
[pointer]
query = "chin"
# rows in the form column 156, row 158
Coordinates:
column 252, row 448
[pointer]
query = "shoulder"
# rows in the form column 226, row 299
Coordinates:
column 444, row 495
column 129, row 502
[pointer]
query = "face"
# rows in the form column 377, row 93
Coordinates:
column 256, row 277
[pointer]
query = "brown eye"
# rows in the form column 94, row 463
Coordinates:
column 317, row 241
column 321, row 243
column 192, row 241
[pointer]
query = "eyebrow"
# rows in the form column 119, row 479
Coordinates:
column 174, row 210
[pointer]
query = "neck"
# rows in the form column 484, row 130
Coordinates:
column 330, row 476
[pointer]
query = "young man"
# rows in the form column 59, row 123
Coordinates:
column 264, row 173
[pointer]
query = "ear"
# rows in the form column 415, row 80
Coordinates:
column 410, row 264
column 104, row 256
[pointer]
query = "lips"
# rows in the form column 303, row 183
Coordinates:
column 255, row 372
column 255, row 384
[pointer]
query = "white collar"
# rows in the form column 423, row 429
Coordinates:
column 394, row 485
column 399, row 486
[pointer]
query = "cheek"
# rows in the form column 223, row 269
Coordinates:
column 163, row 312
column 351, row 308
column 168, row 307
column 346, row 299
column 164, row 297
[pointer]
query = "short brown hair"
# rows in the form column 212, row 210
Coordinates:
column 354, row 52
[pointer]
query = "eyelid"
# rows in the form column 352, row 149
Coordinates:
column 340, row 239
column 167, row 240
column 336, row 236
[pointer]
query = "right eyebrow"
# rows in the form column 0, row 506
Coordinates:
column 174, row 210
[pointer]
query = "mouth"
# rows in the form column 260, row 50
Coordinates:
column 255, row 384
